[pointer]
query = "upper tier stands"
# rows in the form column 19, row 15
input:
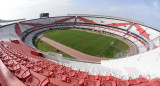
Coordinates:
column 138, row 34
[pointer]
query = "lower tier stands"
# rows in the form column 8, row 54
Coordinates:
column 26, row 68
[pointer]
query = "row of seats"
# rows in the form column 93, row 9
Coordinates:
column 34, row 70
column 143, row 31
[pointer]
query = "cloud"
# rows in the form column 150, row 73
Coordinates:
column 143, row 10
column 31, row 8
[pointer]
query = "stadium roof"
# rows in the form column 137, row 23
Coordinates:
column 6, row 21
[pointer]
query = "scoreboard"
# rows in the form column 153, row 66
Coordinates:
column 44, row 15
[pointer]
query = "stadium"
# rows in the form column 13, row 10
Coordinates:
column 24, row 64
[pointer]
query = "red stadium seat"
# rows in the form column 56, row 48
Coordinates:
column 51, row 67
column 23, row 62
column 122, row 83
column 81, row 74
column 10, row 63
column 37, row 80
column 101, row 78
column 36, row 68
column 75, row 81
column 59, row 77
column 23, row 73
column 108, row 83
column 59, row 71
column 113, row 78
column 46, row 73
column 14, row 68
column 89, row 82
column 72, row 73
column 141, row 84
column 29, row 64
column 56, row 82
column 143, row 79
column 33, row 81
column 133, row 81
column 94, row 77
column 67, row 69
column 157, row 82
column 154, row 82
column 15, row 41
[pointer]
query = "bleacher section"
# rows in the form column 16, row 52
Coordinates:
column 22, row 65
column 34, row 70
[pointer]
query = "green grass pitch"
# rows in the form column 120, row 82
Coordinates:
column 43, row 46
column 89, row 43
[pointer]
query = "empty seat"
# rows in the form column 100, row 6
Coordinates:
column 72, row 73
column 89, row 82
column 33, row 81
column 59, row 71
column 101, row 78
column 81, row 74
column 66, row 70
column 23, row 62
column 59, row 67
column 9, row 62
column 56, row 82
column 51, row 67
column 36, row 68
column 154, row 82
column 122, row 83
column 143, row 79
column 59, row 77
column 23, row 73
column 29, row 65
column 75, row 81
column 157, row 82
column 94, row 77
column 108, row 83
column 50, row 84
column 133, row 81
column 46, row 73
column 113, row 78
column 14, row 68
column 142, row 84
column 37, row 80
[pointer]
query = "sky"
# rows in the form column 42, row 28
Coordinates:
column 147, row 11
